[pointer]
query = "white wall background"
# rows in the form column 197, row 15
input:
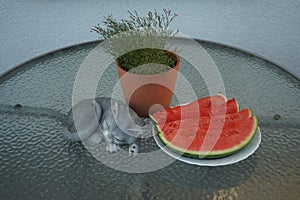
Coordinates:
column 269, row 28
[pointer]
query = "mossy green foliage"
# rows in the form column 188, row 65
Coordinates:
column 144, row 36
column 142, row 61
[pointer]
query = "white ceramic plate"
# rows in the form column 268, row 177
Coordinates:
column 234, row 158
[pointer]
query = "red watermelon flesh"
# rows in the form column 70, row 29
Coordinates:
column 192, row 111
column 202, row 103
column 205, row 102
column 216, row 122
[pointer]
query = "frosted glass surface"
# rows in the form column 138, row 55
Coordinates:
column 37, row 162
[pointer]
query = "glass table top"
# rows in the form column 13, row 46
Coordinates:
column 37, row 162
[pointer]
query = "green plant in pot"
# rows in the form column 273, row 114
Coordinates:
column 147, row 67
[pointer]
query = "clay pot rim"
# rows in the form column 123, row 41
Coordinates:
column 176, row 67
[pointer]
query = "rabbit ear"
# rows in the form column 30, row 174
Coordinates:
column 115, row 109
column 105, row 124
column 98, row 110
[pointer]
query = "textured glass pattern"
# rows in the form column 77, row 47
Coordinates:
column 37, row 162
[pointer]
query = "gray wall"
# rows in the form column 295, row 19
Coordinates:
column 269, row 28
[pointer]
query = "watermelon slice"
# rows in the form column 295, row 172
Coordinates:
column 214, row 121
column 205, row 102
column 220, row 107
column 220, row 143
column 206, row 132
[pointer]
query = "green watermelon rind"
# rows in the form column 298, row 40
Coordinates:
column 238, row 107
column 222, row 95
column 153, row 119
column 211, row 154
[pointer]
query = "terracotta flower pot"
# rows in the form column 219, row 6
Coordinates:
column 141, row 92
